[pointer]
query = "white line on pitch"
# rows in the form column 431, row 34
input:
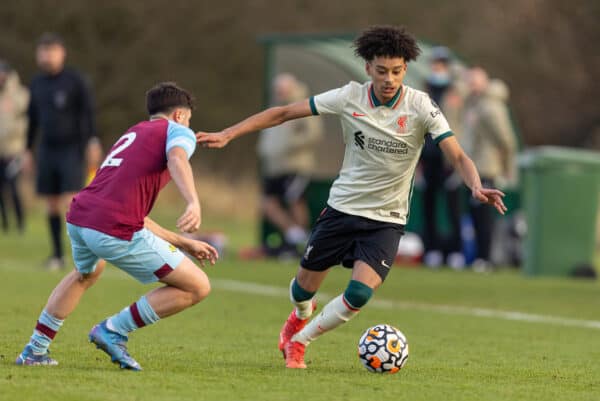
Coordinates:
column 272, row 291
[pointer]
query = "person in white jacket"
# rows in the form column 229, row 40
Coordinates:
column 14, row 99
column 287, row 159
column 489, row 139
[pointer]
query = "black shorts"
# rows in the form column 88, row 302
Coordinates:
column 340, row 238
column 287, row 187
column 59, row 170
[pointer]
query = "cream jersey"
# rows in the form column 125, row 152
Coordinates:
column 383, row 145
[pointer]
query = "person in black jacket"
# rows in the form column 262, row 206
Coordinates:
column 61, row 113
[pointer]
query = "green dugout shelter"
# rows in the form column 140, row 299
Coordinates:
column 325, row 62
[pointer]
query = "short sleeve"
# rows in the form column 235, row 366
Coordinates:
column 178, row 135
column 436, row 124
column 330, row 102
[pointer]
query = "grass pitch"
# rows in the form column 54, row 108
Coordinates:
column 472, row 337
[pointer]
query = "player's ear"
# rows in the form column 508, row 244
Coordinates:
column 178, row 115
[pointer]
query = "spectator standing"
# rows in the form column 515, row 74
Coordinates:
column 61, row 112
column 437, row 175
column 490, row 141
column 287, row 161
column 14, row 98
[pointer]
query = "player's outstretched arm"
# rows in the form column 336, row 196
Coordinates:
column 181, row 172
column 467, row 170
column 265, row 119
column 198, row 249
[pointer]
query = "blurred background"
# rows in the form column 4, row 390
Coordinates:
column 545, row 51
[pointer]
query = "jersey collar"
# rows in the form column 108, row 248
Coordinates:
column 393, row 103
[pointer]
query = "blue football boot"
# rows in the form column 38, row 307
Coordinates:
column 114, row 344
column 30, row 358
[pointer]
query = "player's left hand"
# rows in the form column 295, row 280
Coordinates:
column 212, row 140
column 202, row 251
column 490, row 196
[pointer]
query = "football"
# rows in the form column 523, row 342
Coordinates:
column 383, row 349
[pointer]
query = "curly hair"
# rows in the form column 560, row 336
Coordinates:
column 386, row 41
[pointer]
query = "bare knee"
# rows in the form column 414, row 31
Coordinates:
column 192, row 281
column 90, row 278
column 200, row 291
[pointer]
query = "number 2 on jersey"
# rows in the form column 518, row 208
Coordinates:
column 111, row 160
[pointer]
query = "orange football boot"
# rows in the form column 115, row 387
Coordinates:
column 294, row 355
column 292, row 325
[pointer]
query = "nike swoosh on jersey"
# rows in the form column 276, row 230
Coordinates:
column 355, row 114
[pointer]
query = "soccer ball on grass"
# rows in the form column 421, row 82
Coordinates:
column 383, row 349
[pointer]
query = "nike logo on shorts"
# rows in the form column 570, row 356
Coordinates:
column 385, row 264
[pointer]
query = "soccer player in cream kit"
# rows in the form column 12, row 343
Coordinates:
column 384, row 125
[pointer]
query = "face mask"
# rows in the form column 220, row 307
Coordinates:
column 439, row 79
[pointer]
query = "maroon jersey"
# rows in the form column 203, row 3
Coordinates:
column 127, row 184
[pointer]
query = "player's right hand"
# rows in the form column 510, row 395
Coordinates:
column 212, row 140
column 190, row 219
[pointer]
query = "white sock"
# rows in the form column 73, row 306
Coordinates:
column 303, row 308
column 335, row 313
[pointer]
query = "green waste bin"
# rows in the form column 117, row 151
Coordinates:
column 560, row 198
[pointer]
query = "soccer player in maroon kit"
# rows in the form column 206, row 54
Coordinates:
column 109, row 220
